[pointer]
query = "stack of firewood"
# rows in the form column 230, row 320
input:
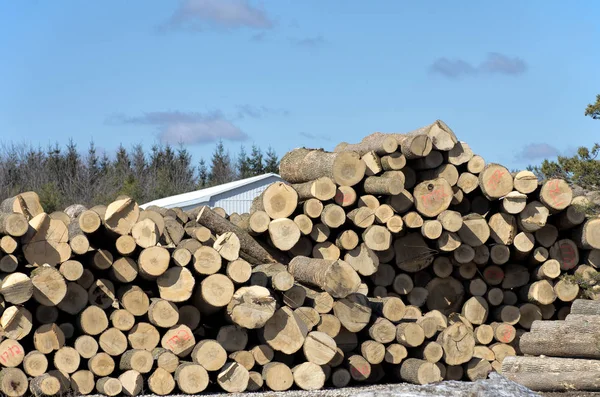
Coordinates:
column 404, row 257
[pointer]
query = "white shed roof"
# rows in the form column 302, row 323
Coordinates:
column 201, row 196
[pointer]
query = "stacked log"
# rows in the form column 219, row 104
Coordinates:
column 563, row 355
column 401, row 258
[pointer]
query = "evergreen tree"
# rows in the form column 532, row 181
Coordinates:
column 221, row 170
column 271, row 162
column 256, row 161
column 243, row 164
column 202, row 174
column 582, row 169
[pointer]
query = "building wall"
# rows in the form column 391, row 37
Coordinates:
column 238, row 200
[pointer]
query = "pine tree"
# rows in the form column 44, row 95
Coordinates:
column 202, row 174
column 271, row 162
column 221, row 170
column 256, row 161
column 243, row 164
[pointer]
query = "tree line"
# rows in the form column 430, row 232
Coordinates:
column 63, row 175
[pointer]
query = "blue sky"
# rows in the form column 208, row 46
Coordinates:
column 510, row 78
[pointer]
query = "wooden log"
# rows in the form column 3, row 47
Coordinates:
column 450, row 220
column 48, row 338
column 376, row 142
column 8, row 244
column 86, row 346
column 419, row 372
column 309, row 376
column 475, row 231
column 245, row 358
column 587, row 307
column 67, row 359
column 13, row 224
column 495, row 181
column 161, row 382
column 476, row 310
column 123, row 270
column 467, row 182
column 277, row 376
column 445, row 295
column 278, row 200
column 335, row 277
column 207, row 260
column 322, row 189
column 353, row 312
column 556, row 194
column 101, row 364
column 432, row 197
column 215, row 292
column 412, row 220
column 363, row 260
column 46, row 241
column 45, row 385
column 132, row 382
column 431, row 229
column 254, row 252
column 176, row 284
column 101, row 293
column 566, row 291
column 35, row 363
column 345, row 196
column 109, row 386
column 162, row 313
column 181, row 257
column 232, row 338
column 136, row 359
column 514, row 202
column 27, row 203
column 143, row 336
column 133, row 299
column 304, row 224
column 303, row 165
column 503, row 228
column 533, row 217
column 319, row 348
column 541, row 292
column 258, row 222
column 191, row 378
column 121, row 215
column 528, row 314
column 586, row 234
column 552, row 374
column 285, row 331
column 122, row 320
column 13, row 382
column 458, row 343
column 383, row 185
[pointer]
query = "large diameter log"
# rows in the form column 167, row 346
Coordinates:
column 559, row 340
column 412, row 253
column 176, row 284
column 445, row 295
column 46, row 241
column 303, row 165
column 495, row 181
column 285, row 331
column 556, row 194
column 353, row 312
column 13, row 382
column 279, row 200
column 251, row 307
column 255, row 253
column 191, row 378
column 587, row 235
column 121, row 215
column 13, row 224
column 27, row 203
column 587, row 307
column 432, row 197
column 553, row 374
column 458, row 343
column 335, row 277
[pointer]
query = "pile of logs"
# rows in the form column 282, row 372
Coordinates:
column 401, row 258
column 561, row 355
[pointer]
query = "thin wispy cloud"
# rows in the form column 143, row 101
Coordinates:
column 186, row 127
column 259, row 112
column 309, row 42
column 315, row 136
column 494, row 63
column 537, row 151
column 199, row 15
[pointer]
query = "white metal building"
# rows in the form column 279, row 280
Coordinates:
column 233, row 197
